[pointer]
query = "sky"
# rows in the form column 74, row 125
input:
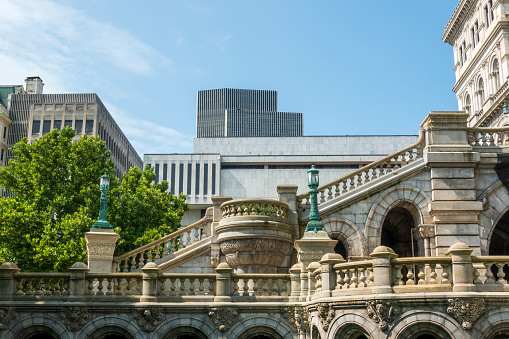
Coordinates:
column 351, row 67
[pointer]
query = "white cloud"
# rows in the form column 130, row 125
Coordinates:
column 149, row 137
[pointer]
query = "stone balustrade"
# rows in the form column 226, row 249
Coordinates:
column 364, row 175
column 117, row 284
column 483, row 137
column 166, row 246
column 252, row 207
column 491, row 273
column 255, row 286
column 42, row 284
column 181, row 285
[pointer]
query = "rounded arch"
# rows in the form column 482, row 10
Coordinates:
column 495, row 73
column 185, row 324
column 495, row 206
column 38, row 325
column 349, row 324
column 411, row 198
column 259, row 332
column 413, row 324
column 491, row 324
column 480, row 91
column 102, row 326
column 260, row 324
column 184, row 332
column 467, row 103
column 348, row 233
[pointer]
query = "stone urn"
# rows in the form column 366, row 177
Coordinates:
column 254, row 234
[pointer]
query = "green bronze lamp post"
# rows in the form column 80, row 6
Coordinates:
column 314, row 223
column 104, row 186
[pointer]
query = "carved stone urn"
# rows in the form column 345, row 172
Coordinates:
column 254, row 234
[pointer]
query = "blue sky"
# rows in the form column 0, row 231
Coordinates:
column 352, row 68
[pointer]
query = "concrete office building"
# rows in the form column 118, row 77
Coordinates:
column 229, row 112
column 34, row 114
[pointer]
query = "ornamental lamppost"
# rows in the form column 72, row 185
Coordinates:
column 104, row 186
column 314, row 223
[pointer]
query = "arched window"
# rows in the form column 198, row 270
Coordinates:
column 495, row 74
column 480, row 92
column 468, row 104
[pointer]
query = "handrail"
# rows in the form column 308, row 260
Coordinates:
column 362, row 175
column 488, row 136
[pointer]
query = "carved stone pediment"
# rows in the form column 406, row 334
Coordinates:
column 383, row 312
column 223, row 317
column 466, row 310
column 148, row 318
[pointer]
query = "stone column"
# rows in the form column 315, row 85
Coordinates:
column 462, row 277
column 100, row 249
column 7, row 282
column 223, row 281
column 77, row 282
column 149, row 286
column 447, row 153
column 382, row 269
column 328, row 274
column 295, row 282
column 217, row 215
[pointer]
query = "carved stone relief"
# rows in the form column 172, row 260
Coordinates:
column 326, row 314
column 75, row 317
column 100, row 250
column 262, row 251
column 466, row 310
column 383, row 312
column 148, row 318
column 223, row 317
column 298, row 317
column 7, row 316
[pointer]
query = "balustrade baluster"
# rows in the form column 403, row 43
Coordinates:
column 433, row 274
column 29, row 283
column 118, row 286
column 90, row 286
column 211, row 286
column 421, row 275
column 477, row 274
column 336, row 190
column 196, row 235
column 397, row 162
column 445, row 274
column 128, row 287
column 329, row 194
column 65, row 286
column 133, row 262
column 235, row 286
column 362, row 278
column 38, row 287
column 347, row 278
column 398, row 276
column 284, row 287
column 322, row 197
column 354, row 278
column 343, row 187
column 99, row 286
column 19, row 287
column 109, row 288
column 489, row 274
column 371, row 276
column 245, row 287
column 201, row 287
column 172, row 286
column 410, row 275
column 501, row 274
column 182, row 289
column 157, row 252
column 162, row 286
column 265, row 288
column 339, row 279
column 191, row 286
column 359, row 180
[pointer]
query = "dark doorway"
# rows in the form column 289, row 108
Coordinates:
column 341, row 249
column 397, row 232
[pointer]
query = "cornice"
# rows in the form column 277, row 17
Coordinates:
column 457, row 20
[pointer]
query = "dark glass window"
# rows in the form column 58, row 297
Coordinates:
column 36, row 126
column 189, row 173
column 46, row 126
column 89, row 128
column 172, row 179
column 213, row 179
column 181, row 178
column 68, row 123
column 197, row 182
column 57, row 124
column 5, row 132
column 79, row 126
column 205, row 178
column 165, row 170
column 2, row 157
column 157, row 173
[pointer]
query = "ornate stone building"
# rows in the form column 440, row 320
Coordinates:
column 416, row 245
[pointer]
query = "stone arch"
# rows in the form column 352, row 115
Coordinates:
column 26, row 327
column 404, row 196
column 495, row 206
column 492, row 323
column 346, row 231
column 185, row 324
column 411, row 324
column 343, row 325
column 255, row 331
column 250, row 324
column 110, row 324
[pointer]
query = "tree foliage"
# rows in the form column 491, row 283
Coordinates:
column 54, row 200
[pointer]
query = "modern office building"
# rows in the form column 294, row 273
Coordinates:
column 229, row 112
column 34, row 114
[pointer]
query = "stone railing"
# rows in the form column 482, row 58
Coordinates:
column 481, row 137
column 113, row 284
column 163, row 247
column 490, row 273
column 178, row 286
column 365, row 174
column 258, row 286
column 260, row 207
column 42, row 284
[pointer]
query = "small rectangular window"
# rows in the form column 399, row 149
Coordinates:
column 79, row 126
column 165, row 172
column 68, row 123
column 89, row 127
column 2, row 156
column 5, row 132
column 205, row 178
column 487, row 14
column 197, row 182
column 57, row 124
column 181, row 178
column 189, row 176
column 46, row 126
column 157, row 173
column 213, row 179
column 36, row 126
column 172, row 179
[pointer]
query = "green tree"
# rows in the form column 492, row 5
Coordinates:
column 54, row 183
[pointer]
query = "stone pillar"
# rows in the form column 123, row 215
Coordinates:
column 382, row 269
column 425, row 232
column 328, row 274
column 77, row 282
column 447, row 153
column 100, row 249
column 462, row 276
column 149, row 286
column 288, row 194
column 223, row 281
column 295, row 282
column 311, row 279
column 217, row 215
column 7, row 282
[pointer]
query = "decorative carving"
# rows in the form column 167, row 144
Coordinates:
column 424, row 231
column 310, row 256
column 261, row 251
column 100, row 250
column 75, row 317
column 326, row 314
column 466, row 310
column 7, row 316
column 298, row 317
column 383, row 312
column 223, row 317
column 148, row 318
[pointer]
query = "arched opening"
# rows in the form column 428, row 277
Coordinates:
column 423, row 330
column 480, row 92
column 185, row 332
column 314, row 333
column 468, row 104
column 111, row 332
column 260, row 332
column 499, row 242
column 37, row 332
column 397, row 232
column 340, row 247
column 495, row 74
column 351, row 331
